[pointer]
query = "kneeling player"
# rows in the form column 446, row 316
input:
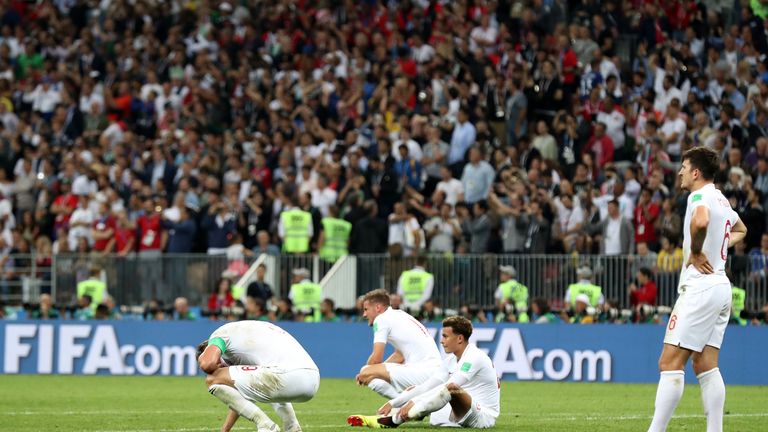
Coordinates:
column 255, row 361
column 472, row 388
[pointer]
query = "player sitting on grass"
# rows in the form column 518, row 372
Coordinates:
column 472, row 388
column 255, row 361
column 416, row 357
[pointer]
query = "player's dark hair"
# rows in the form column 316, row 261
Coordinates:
column 703, row 159
column 380, row 296
column 200, row 348
column 459, row 325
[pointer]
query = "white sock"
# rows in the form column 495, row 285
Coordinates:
column 713, row 398
column 383, row 388
column 233, row 399
column 429, row 402
column 668, row 394
column 286, row 413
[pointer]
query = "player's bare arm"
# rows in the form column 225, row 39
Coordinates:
column 699, row 222
column 210, row 360
column 396, row 357
column 738, row 233
column 229, row 422
column 377, row 356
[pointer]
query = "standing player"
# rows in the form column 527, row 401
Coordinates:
column 699, row 318
column 255, row 361
column 416, row 356
column 472, row 389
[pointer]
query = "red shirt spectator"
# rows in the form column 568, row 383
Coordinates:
column 104, row 233
column 601, row 145
column 568, row 61
column 125, row 238
column 64, row 205
column 149, row 229
column 646, row 213
column 646, row 294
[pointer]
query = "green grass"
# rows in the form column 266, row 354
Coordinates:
column 71, row 403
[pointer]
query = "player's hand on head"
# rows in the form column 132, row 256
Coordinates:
column 385, row 409
column 700, row 262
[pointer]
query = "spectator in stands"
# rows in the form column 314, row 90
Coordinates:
column 255, row 309
column 669, row 224
column 616, row 232
column 644, row 292
column 181, row 232
column 645, row 217
column 670, row 258
column 181, row 310
column 84, row 309
column 405, row 234
column 284, row 310
column 462, row 138
column 45, row 309
column 478, row 228
column 259, row 288
column 219, row 224
column 305, row 295
column 477, row 177
column 415, row 286
column 442, row 231
column 328, row 311
column 220, row 297
column 541, row 312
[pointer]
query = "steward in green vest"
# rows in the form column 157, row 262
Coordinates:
column 510, row 291
column 94, row 287
column 415, row 285
column 334, row 238
column 306, row 295
column 738, row 301
column 584, row 286
column 296, row 230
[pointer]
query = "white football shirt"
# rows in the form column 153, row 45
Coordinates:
column 721, row 219
column 261, row 343
column 406, row 334
column 474, row 373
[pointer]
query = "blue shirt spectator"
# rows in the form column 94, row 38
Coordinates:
column 181, row 233
column 219, row 224
column 477, row 177
column 408, row 169
column 463, row 137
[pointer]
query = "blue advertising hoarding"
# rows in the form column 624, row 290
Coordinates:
column 595, row 353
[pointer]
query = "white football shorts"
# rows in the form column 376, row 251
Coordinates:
column 273, row 384
column 402, row 376
column 699, row 317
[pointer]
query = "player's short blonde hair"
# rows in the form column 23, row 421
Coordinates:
column 380, row 296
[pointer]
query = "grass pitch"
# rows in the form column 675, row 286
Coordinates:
column 133, row 404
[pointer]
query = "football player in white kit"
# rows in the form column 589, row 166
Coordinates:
column 471, row 389
column 256, row 361
column 416, row 356
column 699, row 318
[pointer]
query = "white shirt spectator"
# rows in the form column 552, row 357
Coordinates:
column 487, row 34
column 613, row 237
column 113, row 134
column 664, row 97
column 671, row 126
column 322, row 199
column 423, row 54
column 453, row 189
column 84, row 216
column 414, row 150
column 44, row 99
column 402, row 233
column 87, row 101
column 614, row 122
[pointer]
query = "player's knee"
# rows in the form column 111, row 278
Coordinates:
column 210, row 380
column 701, row 365
column 453, row 387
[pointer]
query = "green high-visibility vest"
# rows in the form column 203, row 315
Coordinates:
column 592, row 291
column 518, row 293
column 336, row 238
column 738, row 301
column 306, row 296
column 94, row 288
column 296, row 223
column 414, row 282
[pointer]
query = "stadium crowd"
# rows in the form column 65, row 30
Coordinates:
column 516, row 127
